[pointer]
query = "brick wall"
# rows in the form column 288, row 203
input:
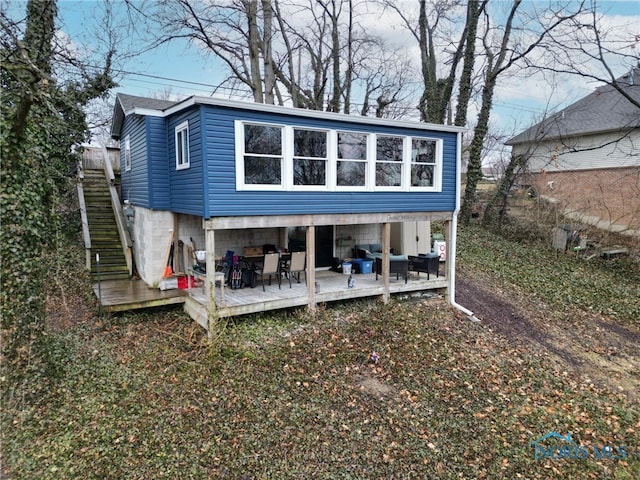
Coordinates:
column 612, row 195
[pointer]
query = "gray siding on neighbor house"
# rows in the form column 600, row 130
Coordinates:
column 135, row 181
column 224, row 200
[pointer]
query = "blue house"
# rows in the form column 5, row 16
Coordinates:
column 216, row 176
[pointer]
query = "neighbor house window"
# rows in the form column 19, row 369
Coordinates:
column 182, row 146
column 352, row 159
column 309, row 157
column 389, row 160
column 127, row 153
column 423, row 162
column 262, row 154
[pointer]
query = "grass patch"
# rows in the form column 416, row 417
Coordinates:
column 295, row 396
column 563, row 281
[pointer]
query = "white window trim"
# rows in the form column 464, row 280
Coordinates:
column 403, row 180
column 286, row 175
column 367, row 169
column 437, row 170
column 183, row 127
column 286, row 165
column 288, row 161
column 127, row 153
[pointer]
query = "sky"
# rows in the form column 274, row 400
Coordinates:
column 183, row 70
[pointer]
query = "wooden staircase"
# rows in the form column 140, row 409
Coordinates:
column 103, row 230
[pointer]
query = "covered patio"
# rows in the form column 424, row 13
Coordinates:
column 209, row 302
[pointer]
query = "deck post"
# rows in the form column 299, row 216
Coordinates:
column 448, row 235
column 386, row 247
column 210, row 282
column 311, row 266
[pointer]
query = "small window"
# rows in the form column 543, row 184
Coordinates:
column 309, row 157
column 182, row 146
column 352, row 159
column 127, row 153
column 389, row 159
column 262, row 155
column 423, row 162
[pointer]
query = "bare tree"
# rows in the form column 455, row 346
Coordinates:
column 502, row 53
column 314, row 54
column 584, row 48
column 439, row 21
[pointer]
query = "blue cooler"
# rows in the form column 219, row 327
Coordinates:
column 363, row 265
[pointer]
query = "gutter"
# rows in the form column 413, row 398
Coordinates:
column 453, row 241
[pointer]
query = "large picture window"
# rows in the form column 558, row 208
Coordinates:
column 352, row 159
column 262, row 155
column 423, row 162
column 182, row 146
column 389, row 161
column 287, row 157
column 309, row 157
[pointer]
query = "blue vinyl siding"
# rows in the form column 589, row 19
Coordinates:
column 158, row 179
column 186, row 186
column 224, row 200
column 135, row 181
column 208, row 187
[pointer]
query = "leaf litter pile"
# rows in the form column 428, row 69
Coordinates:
column 411, row 389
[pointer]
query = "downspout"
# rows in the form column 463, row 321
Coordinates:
column 452, row 241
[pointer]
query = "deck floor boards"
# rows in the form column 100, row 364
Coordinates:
column 331, row 287
column 121, row 295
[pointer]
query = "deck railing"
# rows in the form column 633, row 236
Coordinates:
column 83, row 216
column 125, row 237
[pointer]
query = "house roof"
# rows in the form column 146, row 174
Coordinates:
column 129, row 104
column 603, row 110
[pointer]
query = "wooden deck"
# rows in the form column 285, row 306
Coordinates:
column 122, row 295
column 331, row 287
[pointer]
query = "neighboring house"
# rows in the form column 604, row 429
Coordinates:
column 235, row 176
column 586, row 157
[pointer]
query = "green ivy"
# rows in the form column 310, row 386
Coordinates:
column 42, row 121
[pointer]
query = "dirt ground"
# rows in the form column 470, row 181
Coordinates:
column 600, row 351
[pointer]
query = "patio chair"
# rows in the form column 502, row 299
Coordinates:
column 270, row 266
column 297, row 264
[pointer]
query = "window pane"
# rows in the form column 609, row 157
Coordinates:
column 352, row 146
column 389, row 149
column 309, row 172
column 423, row 150
column 421, row 175
column 309, row 143
column 183, row 152
column 262, row 170
column 388, row 174
column 263, row 139
column 351, row 174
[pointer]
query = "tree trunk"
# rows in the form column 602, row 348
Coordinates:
column 464, row 88
column 24, row 210
column 269, row 74
column 474, row 167
column 496, row 210
column 251, row 10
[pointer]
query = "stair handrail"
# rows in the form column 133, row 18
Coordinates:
column 83, row 216
column 123, row 232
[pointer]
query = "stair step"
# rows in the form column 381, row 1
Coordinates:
column 103, row 229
